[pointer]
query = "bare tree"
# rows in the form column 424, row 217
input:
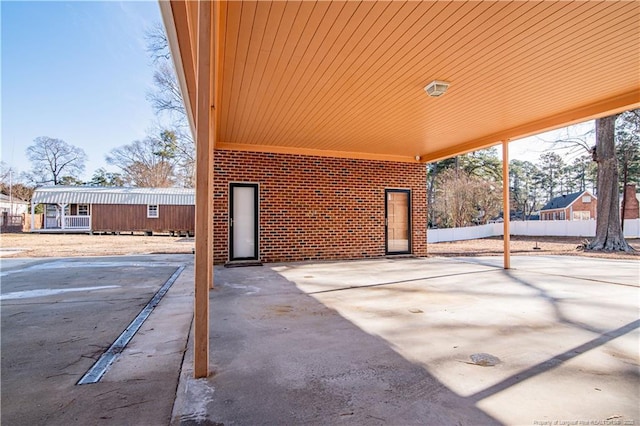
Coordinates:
column 467, row 199
column 572, row 142
column 166, row 99
column 167, row 96
column 183, row 152
column 157, row 43
column 6, row 172
column 147, row 163
column 11, row 183
column 54, row 159
column 609, row 236
column 483, row 164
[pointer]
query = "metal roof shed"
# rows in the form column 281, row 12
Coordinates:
column 93, row 195
column 98, row 209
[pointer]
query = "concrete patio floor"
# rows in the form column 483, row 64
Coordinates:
column 390, row 341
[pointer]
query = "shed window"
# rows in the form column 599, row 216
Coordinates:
column 152, row 210
column 83, row 210
column 586, row 198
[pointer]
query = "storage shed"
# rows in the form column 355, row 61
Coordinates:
column 99, row 209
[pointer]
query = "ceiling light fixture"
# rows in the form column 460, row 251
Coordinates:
column 436, row 88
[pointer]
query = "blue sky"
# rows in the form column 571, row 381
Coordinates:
column 76, row 71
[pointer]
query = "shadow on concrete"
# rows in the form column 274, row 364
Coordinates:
column 345, row 342
column 554, row 362
column 282, row 357
column 384, row 284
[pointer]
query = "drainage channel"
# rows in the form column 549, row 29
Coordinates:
column 98, row 369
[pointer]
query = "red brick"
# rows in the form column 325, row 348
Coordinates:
column 318, row 208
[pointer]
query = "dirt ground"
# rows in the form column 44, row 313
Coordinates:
column 70, row 245
column 493, row 246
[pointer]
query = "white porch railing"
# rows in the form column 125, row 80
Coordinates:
column 70, row 222
column 77, row 222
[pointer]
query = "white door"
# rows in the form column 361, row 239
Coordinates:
column 244, row 221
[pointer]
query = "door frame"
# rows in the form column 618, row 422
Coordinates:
column 387, row 191
column 256, row 225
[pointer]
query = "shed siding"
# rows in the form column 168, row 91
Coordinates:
column 317, row 207
column 124, row 217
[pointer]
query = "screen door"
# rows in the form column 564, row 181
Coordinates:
column 398, row 229
column 243, row 221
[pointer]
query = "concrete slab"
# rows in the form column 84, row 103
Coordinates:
column 390, row 342
column 58, row 316
column 571, row 267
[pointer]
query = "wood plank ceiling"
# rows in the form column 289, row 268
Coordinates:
column 346, row 78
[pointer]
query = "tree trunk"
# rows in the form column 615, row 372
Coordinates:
column 431, row 195
column 609, row 236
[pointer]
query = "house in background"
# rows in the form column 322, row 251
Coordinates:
column 98, row 209
column 12, row 205
column 577, row 206
column 12, row 210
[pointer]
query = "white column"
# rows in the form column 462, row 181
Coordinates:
column 203, row 268
column 33, row 212
column 62, row 220
column 505, row 204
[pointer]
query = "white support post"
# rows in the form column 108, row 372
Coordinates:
column 62, row 218
column 505, row 204
column 204, row 191
column 33, row 212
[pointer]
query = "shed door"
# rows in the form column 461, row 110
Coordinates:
column 243, row 221
column 398, row 229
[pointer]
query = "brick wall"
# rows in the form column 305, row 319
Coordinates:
column 316, row 207
column 578, row 205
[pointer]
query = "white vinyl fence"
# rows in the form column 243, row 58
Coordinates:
column 466, row 233
column 563, row 228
